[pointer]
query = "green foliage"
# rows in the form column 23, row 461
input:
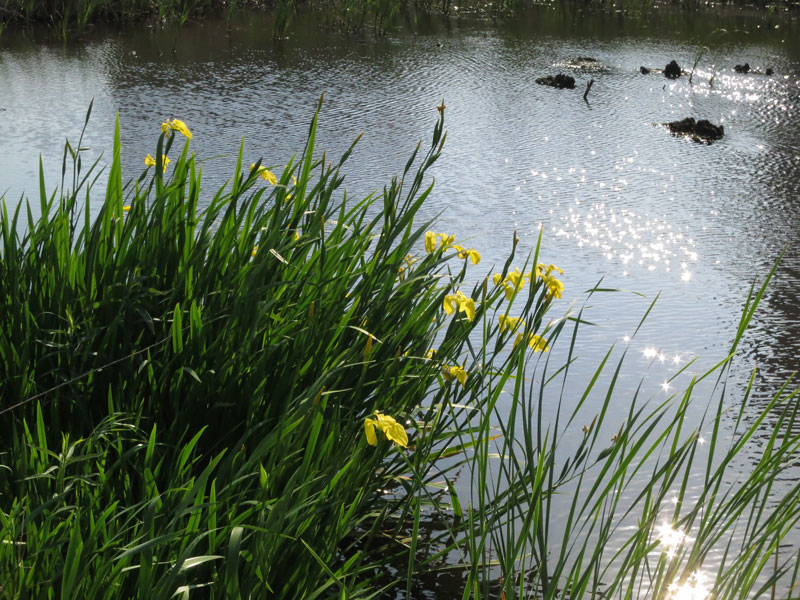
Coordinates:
column 186, row 381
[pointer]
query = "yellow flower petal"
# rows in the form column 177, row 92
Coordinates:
column 430, row 241
column 369, row 431
column 468, row 306
column 126, row 208
column 149, row 161
column 474, row 256
column 554, row 286
column 265, row 173
column 455, row 372
column 507, row 323
column 396, row 433
column 538, row 343
column 176, row 125
column 515, row 277
column 445, row 240
column 551, row 268
column 449, row 304
column 382, row 420
column 393, row 430
column 518, row 340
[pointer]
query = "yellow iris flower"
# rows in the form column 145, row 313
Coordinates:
column 515, row 278
column 536, row 342
column 507, row 323
column 409, row 260
column 126, row 208
column 542, row 271
column 445, row 241
column 513, row 282
column 455, row 372
column 176, row 125
column 149, row 161
column 430, row 241
column 459, row 302
column 554, row 286
column 265, row 173
column 470, row 253
column 393, row 431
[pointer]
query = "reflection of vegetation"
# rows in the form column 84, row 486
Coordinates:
column 289, row 395
column 68, row 17
column 283, row 16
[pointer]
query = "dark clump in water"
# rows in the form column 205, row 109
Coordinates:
column 672, row 70
column 560, row 81
column 745, row 68
column 700, row 131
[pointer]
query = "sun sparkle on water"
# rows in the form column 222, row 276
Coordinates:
column 670, row 538
column 693, row 588
column 650, row 241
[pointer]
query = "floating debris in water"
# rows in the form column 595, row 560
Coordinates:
column 586, row 64
column 672, row 70
column 560, row 81
column 700, row 131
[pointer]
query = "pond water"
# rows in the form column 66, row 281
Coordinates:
column 617, row 197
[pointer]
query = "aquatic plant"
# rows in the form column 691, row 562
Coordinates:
column 274, row 391
column 703, row 48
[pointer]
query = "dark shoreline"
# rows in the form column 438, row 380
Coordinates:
column 57, row 19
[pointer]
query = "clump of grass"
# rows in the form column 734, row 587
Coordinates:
column 199, row 378
column 277, row 391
